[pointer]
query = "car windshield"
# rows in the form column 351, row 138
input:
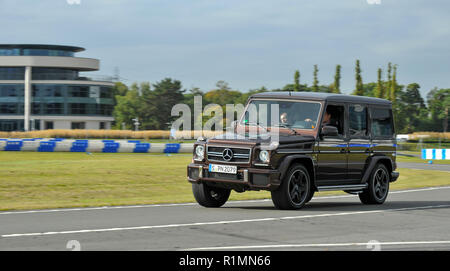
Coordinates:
column 292, row 114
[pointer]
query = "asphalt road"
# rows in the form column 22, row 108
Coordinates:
column 409, row 220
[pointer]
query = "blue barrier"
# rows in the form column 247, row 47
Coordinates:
column 47, row 146
column 141, row 147
column 106, row 146
column 172, row 148
column 110, row 147
column 79, row 146
column 13, row 145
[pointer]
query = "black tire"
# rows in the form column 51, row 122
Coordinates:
column 295, row 189
column 378, row 188
column 209, row 196
column 311, row 195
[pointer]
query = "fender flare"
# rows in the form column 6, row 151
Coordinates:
column 373, row 162
column 287, row 161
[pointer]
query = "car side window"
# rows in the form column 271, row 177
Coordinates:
column 357, row 121
column 381, row 123
column 334, row 116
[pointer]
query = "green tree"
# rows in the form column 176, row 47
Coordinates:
column 389, row 81
column 439, row 104
column 127, row 107
column 336, row 86
column 359, row 83
column 315, row 86
column 379, row 90
column 297, row 80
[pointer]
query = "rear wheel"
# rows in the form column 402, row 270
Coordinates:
column 209, row 196
column 295, row 189
column 378, row 188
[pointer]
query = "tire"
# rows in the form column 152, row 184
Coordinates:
column 211, row 197
column 378, row 189
column 295, row 189
column 311, row 195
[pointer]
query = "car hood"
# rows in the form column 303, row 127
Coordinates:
column 265, row 138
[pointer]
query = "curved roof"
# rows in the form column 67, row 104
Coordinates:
column 321, row 96
column 42, row 46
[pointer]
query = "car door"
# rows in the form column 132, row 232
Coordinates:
column 332, row 155
column 359, row 148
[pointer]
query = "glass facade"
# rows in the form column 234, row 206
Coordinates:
column 12, row 73
column 54, row 74
column 34, row 52
column 57, row 99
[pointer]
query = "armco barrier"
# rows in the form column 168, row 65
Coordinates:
column 106, row 146
column 436, row 154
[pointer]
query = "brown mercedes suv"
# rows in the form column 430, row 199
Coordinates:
column 323, row 142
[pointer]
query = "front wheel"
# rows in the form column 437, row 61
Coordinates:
column 378, row 188
column 208, row 196
column 295, row 189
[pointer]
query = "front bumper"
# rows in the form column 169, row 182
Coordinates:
column 245, row 179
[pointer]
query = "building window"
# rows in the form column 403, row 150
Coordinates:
column 77, row 109
column 78, row 125
column 48, row 125
column 78, row 91
column 102, row 125
column 54, row 108
column 8, row 108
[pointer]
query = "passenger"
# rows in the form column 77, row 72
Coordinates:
column 283, row 118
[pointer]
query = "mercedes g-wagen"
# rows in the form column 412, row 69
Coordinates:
column 324, row 142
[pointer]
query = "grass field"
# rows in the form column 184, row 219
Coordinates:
column 30, row 180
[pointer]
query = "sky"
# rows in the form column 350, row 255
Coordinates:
column 247, row 43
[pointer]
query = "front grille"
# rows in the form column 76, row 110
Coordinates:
column 240, row 155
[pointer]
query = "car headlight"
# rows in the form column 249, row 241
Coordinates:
column 200, row 152
column 264, row 156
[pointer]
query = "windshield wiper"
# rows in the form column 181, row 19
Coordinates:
column 287, row 126
column 254, row 123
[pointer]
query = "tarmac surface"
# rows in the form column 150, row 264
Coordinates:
column 416, row 219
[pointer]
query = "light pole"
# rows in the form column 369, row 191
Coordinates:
column 136, row 124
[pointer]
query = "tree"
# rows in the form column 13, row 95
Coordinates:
column 389, row 81
column 315, row 86
column 336, row 86
column 379, row 90
column 128, row 107
column 297, row 80
column 411, row 109
column 439, row 103
column 393, row 89
column 359, row 83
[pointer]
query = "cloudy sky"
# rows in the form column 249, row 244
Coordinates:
column 247, row 43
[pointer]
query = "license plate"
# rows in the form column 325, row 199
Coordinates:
column 223, row 169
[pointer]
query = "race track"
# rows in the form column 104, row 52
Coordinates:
column 409, row 220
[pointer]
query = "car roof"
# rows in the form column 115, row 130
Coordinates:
column 321, row 96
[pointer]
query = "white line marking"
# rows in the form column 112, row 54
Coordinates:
column 225, row 222
column 195, row 204
column 320, row 245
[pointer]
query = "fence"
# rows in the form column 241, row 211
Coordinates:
column 106, row 146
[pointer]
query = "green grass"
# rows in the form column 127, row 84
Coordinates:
column 401, row 158
column 30, row 180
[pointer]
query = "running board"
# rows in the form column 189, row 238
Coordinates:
column 350, row 187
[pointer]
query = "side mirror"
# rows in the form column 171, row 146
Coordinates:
column 329, row 131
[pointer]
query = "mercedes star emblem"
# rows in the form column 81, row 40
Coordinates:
column 227, row 154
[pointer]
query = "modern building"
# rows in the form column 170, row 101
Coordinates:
column 41, row 88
